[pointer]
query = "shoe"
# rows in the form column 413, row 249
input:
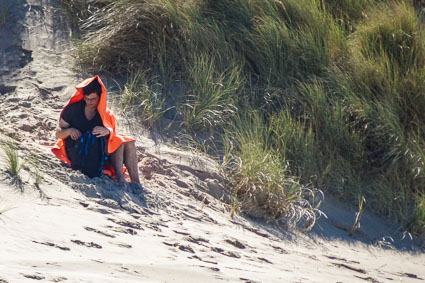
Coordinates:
column 136, row 188
column 123, row 185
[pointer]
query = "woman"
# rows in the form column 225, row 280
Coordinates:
column 87, row 111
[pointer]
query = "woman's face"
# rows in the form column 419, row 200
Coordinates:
column 92, row 100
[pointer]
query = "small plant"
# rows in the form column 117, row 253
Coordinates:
column 33, row 165
column 359, row 213
column 14, row 164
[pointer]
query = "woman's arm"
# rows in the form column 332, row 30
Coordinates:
column 63, row 131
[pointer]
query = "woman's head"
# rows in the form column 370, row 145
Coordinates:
column 93, row 87
column 92, row 93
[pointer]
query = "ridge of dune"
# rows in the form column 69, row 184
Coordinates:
column 71, row 228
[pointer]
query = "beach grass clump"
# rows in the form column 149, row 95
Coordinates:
column 212, row 95
column 77, row 11
column 130, row 35
column 11, row 154
column 263, row 185
column 286, row 41
column 387, row 79
column 388, row 49
column 14, row 164
column 314, row 133
column 144, row 98
column 296, row 143
column 349, row 12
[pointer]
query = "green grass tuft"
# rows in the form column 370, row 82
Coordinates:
column 11, row 154
column 210, row 102
column 263, row 185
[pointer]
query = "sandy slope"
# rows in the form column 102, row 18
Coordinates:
column 83, row 230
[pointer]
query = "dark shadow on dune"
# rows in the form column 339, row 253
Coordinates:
column 373, row 230
column 335, row 225
column 12, row 55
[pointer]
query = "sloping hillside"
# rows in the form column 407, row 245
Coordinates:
column 58, row 225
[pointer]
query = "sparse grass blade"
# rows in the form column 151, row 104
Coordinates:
column 33, row 164
column 417, row 223
column 4, row 13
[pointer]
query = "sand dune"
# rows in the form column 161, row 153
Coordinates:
column 74, row 229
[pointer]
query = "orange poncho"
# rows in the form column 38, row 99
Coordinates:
column 108, row 119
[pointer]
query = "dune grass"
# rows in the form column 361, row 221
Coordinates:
column 307, row 95
column 15, row 164
column 262, row 181
column 144, row 97
column 11, row 155
column 210, row 99
column 33, row 165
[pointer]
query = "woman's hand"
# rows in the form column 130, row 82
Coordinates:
column 74, row 133
column 99, row 131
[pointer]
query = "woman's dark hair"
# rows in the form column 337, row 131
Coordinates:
column 92, row 87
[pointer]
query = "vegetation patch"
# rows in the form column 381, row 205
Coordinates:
column 14, row 164
column 295, row 97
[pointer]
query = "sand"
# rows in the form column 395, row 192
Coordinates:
column 75, row 229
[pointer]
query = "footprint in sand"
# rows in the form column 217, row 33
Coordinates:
column 87, row 244
column 235, row 243
column 122, row 230
column 248, row 280
column 122, row 245
column 211, row 267
column 52, row 245
column 35, row 277
column 265, row 260
column 99, row 232
column 185, row 248
column 127, row 224
column 226, row 253
column 200, row 259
